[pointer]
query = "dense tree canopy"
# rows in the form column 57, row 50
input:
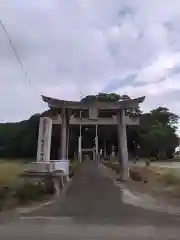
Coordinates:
column 105, row 97
column 102, row 97
column 155, row 137
column 157, row 133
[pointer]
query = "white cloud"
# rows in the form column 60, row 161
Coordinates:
column 79, row 47
column 158, row 70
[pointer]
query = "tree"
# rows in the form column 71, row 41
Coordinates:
column 102, row 97
column 157, row 133
column 19, row 139
column 166, row 117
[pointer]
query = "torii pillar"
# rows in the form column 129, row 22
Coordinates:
column 64, row 134
column 122, row 145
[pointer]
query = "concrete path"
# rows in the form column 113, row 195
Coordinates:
column 93, row 198
column 92, row 208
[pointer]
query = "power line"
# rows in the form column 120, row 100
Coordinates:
column 16, row 54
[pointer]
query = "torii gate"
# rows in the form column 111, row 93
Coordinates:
column 70, row 113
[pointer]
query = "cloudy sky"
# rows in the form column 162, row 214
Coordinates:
column 78, row 47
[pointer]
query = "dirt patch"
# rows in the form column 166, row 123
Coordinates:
column 160, row 183
column 157, row 182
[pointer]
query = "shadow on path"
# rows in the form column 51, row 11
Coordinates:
column 93, row 198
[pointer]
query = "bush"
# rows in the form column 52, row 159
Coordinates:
column 73, row 167
column 30, row 192
column 3, row 195
column 47, row 185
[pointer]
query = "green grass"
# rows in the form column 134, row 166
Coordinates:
column 30, row 192
column 9, row 172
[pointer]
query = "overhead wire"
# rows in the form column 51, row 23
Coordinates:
column 16, row 55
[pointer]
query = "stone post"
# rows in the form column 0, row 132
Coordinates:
column 122, row 144
column 64, row 136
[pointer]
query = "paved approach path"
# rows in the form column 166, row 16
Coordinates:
column 94, row 198
column 92, row 208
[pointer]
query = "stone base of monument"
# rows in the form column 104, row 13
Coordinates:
column 54, row 174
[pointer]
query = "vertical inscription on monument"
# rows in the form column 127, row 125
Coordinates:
column 44, row 124
column 44, row 141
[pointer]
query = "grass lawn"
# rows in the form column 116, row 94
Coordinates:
column 9, row 171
